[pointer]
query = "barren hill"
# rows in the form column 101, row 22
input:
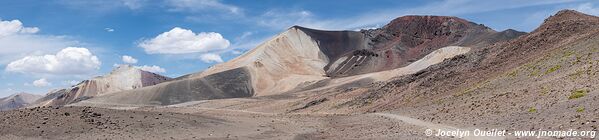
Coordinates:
column 443, row 73
column 122, row 78
column 302, row 58
column 545, row 79
column 17, row 100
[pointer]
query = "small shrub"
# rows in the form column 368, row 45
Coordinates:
column 535, row 72
column 578, row 60
column 568, row 53
column 438, row 101
column 532, row 110
column 513, row 73
column 552, row 69
column 580, row 109
column 577, row 94
column 466, row 91
column 544, row 90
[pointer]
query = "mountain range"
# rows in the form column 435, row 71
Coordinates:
column 302, row 58
column 415, row 73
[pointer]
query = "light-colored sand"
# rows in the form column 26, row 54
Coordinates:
column 433, row 58
column 279, row 64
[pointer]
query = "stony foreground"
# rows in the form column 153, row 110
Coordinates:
column 153, row 123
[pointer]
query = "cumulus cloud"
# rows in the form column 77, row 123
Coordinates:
column 18, row 41
column 211, row 58
column 71, row 60
column 15, row 27
column 18, row 46
column 153, row 68
column 182, row 41
column 41, row 83
column 128, row 59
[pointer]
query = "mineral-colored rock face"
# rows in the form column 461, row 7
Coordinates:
column 304, row 54
column 545, row 68
column 402, row 41
column 17, row 101
column 299, row 57
column 121, row 78
column 312, row 84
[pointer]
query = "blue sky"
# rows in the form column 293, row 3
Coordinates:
column 52, row 44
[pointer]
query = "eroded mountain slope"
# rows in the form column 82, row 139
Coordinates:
column 122, row 78
column 546, row 79
column 301, row 56
column 17, row 101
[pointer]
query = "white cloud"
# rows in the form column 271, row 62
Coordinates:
column 182, row 41
column 202, row 5
column 18, row 41
column 587, row 8
column 109, row 29
column 153, row 68
column 71, row 61
column 17, row 46
column 128, row 59
column 15, row 27
column 41, row 83
column 211, row 58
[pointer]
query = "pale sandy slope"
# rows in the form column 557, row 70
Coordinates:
column 435, row 57
column 279, row 64
column 123, row 77
column 275, row 66
column 283, row 83
column 291, row 62
column 281, row 104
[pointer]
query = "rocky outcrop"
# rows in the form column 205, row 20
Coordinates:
column 407, row 39
column 541, row 68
